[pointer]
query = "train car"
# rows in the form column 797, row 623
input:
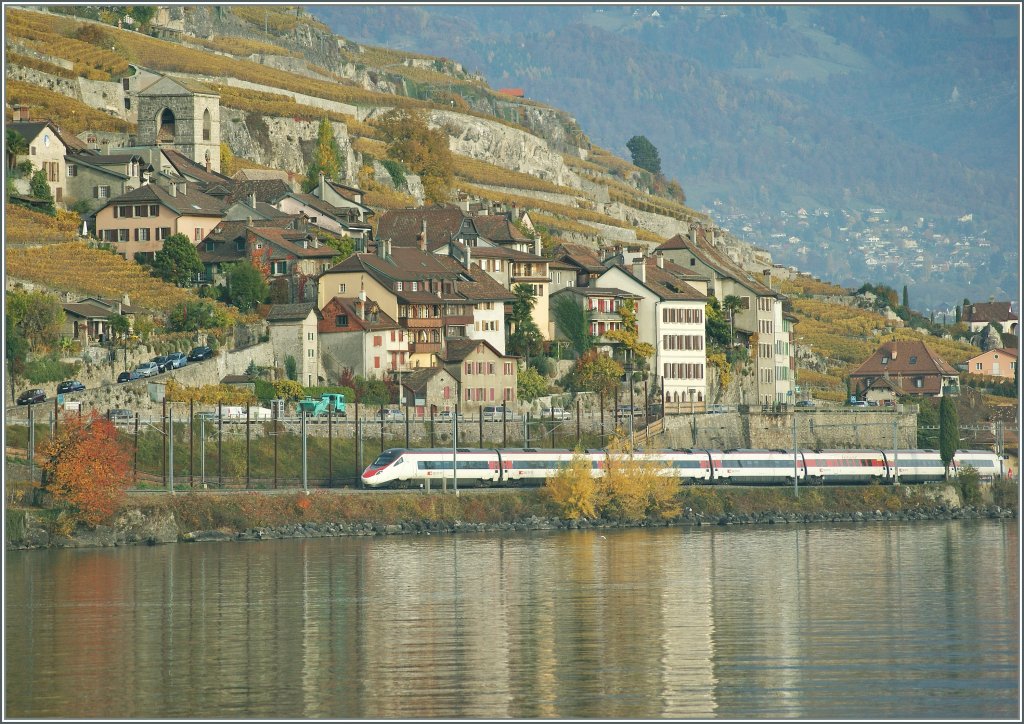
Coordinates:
column 398, row 467
column 914, row 466
column 988, row 464
column 690, row 466
column 755, row 467
column 839, row 467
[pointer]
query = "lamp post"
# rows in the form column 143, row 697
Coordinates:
column 629, row 378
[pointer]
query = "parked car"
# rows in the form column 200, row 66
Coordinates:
column 177, row 360
column 163, row 362
column 625, row 411
column 859, row 403
column 717, row 409
column 69, row 386
column 391, row 415
column 200, row 353
column 147, row 369
column 497, row 413
column 31, row 397
column 127, row 376
column 120, row 414
column 556, row 413
column 805, row 403
column 446, row 416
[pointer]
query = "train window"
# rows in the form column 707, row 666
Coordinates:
column 385, row 458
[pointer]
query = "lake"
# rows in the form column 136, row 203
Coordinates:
column 861, row 621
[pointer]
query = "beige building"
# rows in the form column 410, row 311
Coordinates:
column 46, row 151
column 994, row 363
column 293, row 332
column 485, row 376
column 138, row 222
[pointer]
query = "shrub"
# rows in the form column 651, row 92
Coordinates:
column 291, row 367
column 50, row 369
column 968, row 483
column 635, row 488
column 574, row 490
column 288, row 389
column 1005, row 493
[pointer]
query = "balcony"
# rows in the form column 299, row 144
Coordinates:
column 596, row 315
column 421, row 322
column 424, row 347
column 459, row 319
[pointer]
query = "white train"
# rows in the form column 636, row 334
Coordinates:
column 400, row 467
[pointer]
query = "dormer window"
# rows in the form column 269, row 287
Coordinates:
column 885, row 359
column 398, row 286
column 913, row 359
column 239, row 245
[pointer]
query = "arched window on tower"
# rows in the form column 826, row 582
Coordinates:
column 165, row 134
column 206, row 124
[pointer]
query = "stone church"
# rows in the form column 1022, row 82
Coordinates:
column 181, row 114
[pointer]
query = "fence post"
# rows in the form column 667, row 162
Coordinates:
column 248, row 427
column 135, row 467
column 277, row 433
column 578, row 411
column 31, row 444
column 191, row 443
column 220, row 445
column 480, row 419
column 163, row 448
column 330, row 451
column 504, row 426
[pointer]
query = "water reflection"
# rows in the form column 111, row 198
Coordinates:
column 874, row 620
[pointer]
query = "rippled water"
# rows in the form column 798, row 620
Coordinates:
column 851, row 621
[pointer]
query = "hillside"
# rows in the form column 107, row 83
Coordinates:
column 279, row 72
column 759, row 111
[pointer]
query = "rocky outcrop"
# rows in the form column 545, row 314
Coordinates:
column 283, row 143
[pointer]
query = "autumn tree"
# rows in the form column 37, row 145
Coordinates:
column 38, row 316
column 629, row 336
column 178, row 261
column 634, row 487
column 86, row 467
column 16, row 350
column 645, row 155
column 716, row 328
column 227, row 160
column 422, row 149
column 575, row 490
column 525, row 337
column 595, row 372
column 732, row 304
column 119, row 330
column 196, row 314
column 530, row 384
column 326, row 158
column 16, row 146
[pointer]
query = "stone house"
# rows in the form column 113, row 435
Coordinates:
column 93, row 178
column 581, row 258
column 293, row 333
column 427, row 391
column 484, row 375
column 355, row 334
column 182, row 114
column 999, row 314
column 342, row 196
column 86, row 319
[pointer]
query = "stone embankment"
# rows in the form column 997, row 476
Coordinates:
column 135, row 528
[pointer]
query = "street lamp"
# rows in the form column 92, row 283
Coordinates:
column 629, row 378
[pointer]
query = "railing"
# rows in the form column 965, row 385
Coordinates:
column 424, row 347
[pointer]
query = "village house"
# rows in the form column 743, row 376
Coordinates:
column 45, row 150
column 356, row 335
column 903, row 367
column 86, row 320
column 345, row 197
column 1000, row 362
column 293, row 333
column 999, row 314
column 138, row 222
column 427, row 391
column 581, row 258
column 437, row 224
column 92, row 179
column 758, row 322
column 601, row 305
column 670, row 317
column 484, row 375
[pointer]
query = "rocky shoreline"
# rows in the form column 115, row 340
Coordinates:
column 134, row 528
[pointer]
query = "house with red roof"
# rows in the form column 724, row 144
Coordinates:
column 903, row 367
column 999, row 314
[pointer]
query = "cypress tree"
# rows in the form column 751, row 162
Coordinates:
column 949, row 432
column 906, row 298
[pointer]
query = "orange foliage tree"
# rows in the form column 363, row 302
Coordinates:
column 86, row 467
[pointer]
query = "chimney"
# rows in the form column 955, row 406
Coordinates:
column 322, row 185
column 469, row 258
column 894, row 350
column 711, row 236
column 207, row 162
column 248, row 220
column 640, row 269
column 173, row 189
column 360, row 305
column 423, row 236
column 252, row 200
column 661, row 260
column 693, row 234
column 536, row 246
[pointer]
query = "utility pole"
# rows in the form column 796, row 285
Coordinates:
column 896, row 449
column 302, row 424
column 170, row 448
column 796, row 454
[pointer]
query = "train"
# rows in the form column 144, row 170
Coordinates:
column 515, row 467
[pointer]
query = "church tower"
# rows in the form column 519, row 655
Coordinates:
column 183, row 115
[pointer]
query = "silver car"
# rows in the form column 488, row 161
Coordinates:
column 148, row 369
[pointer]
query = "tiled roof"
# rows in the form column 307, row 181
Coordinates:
column 191, row 203
column 459, row 349
column 989, row 312
column 403, row 226
column 291, row 241
column 86, row 309
column 898, row 355
column 665, row 284
column 316, row 203
column 290, row 312
column 417, row 379
column 476, row 284
column 718, row 261
column 598, row 292
column 186, row 166
column 499, row 229
column 404, row 264
column 503, row 252
column 268, row 190
column 1005, row 351
column 348, row 306
column 580, row 255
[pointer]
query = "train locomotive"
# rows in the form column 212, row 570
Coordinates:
column 515, row 467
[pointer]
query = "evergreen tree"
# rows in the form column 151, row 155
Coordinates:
column 41, row 190
column 906, row 298
column 246, row 286
column 178, row 261
column 645, row 155
column 526, row 337
column 16, row 146
column 949, row 432
column 326, row 158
